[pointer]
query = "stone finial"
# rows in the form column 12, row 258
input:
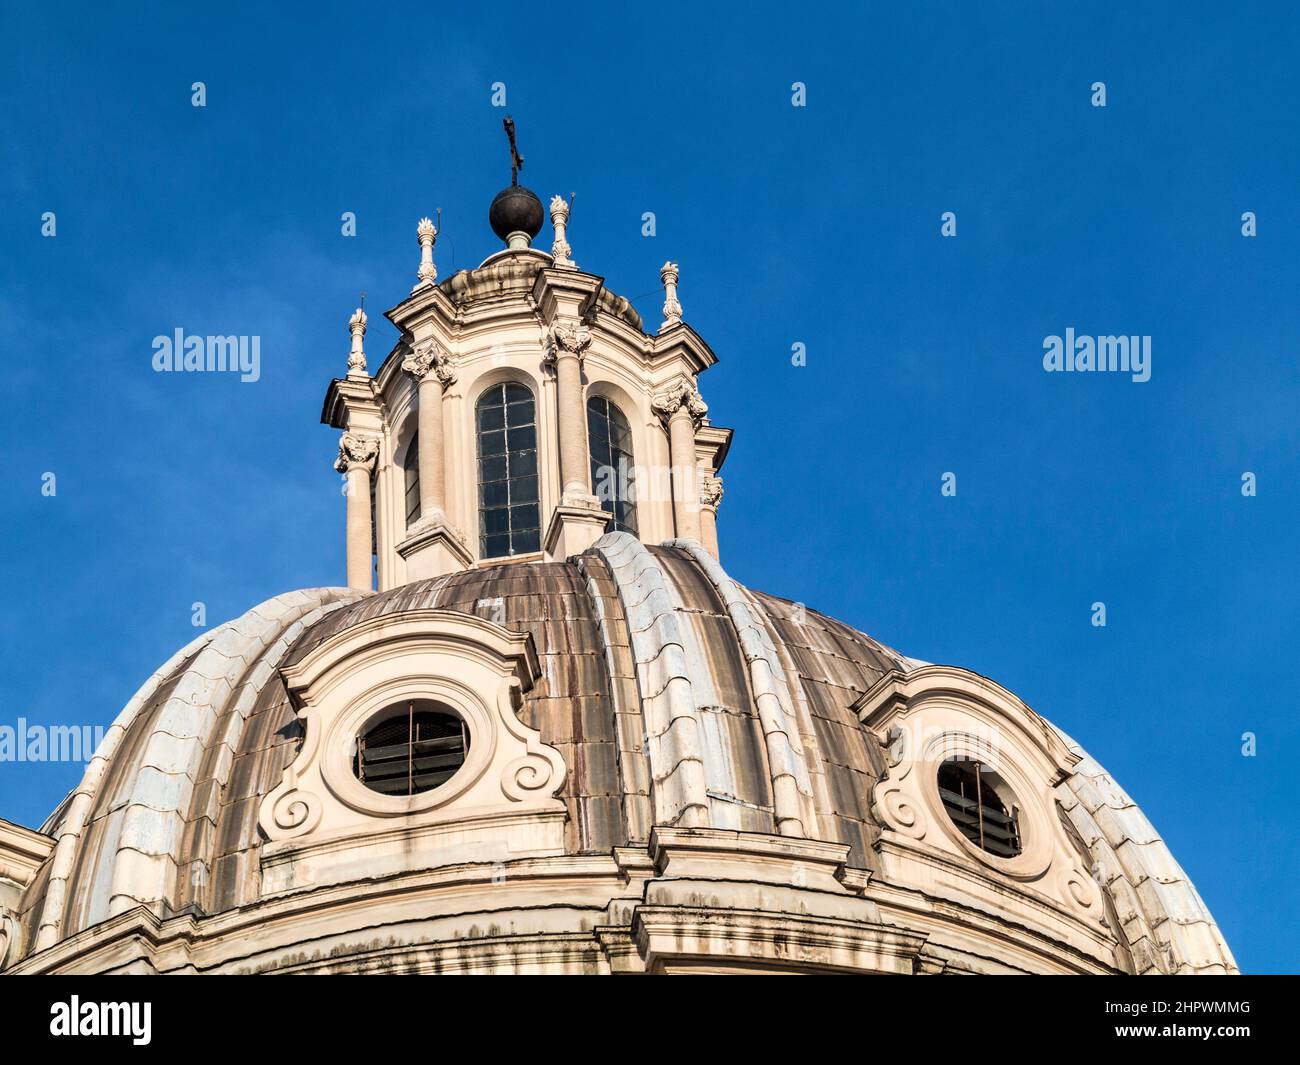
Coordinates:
column 567, row 334
column 427, row 233
column 668, row 274
column 560, row 251
column 711, row 493
column 357, row 357
column 357, row 452
column 682, row 394
column 427, row 358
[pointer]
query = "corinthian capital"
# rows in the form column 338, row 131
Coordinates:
column 430, row 358
column 682, row 394
column 567, row 334
column 711, row 493
column 357, row 452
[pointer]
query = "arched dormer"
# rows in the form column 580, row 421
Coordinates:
column 327, row 821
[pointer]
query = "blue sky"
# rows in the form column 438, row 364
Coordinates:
column 817, row 225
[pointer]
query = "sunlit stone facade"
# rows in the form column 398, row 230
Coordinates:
column 648, row 767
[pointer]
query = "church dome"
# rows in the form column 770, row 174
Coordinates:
column 542, row 730
column 687, row 730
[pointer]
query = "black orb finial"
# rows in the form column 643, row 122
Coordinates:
column 515, row 210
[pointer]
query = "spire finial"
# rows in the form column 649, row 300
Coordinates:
column 357, row 327
column 516, row 213
column 668, row 274
column 427, row 233
column 560, row 250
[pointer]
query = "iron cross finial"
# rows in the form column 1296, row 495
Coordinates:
column 516, row 160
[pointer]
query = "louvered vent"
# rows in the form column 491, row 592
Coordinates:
column 970, row 794
column 415, row 747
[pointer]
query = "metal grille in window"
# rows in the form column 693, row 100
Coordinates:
column 413, row 749
column 411, row 474
column 971, row 798
column 609, row 440
column 509, row 514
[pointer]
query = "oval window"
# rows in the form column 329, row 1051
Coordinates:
column 981, row 805
column 410, row 748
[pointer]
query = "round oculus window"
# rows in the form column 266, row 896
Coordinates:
column 410, row 748
column 981, row 805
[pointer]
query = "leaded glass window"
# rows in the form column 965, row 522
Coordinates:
column 509, row 514
column 609, row 441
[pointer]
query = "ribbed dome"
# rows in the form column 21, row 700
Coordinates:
column 167, row 815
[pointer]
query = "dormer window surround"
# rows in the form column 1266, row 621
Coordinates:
column 438, row 692
column 967, row 798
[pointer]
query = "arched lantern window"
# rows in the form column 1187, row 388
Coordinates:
column 509, row 514
column 411, row 479
column 609, row 442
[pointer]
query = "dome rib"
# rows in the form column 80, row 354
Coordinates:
column 145, row 813
column 791, row 787
column 76, row 813
column 675, row 742
column 1168, row 926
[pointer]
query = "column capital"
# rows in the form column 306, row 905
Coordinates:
column 357, row 452
column 566, row 335
column 675, row 397
column 711, row 493
column 430, row 357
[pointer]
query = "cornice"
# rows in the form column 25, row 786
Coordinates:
column 349, row 393
column 683, row 342
column 716, row 440
column 22, row 850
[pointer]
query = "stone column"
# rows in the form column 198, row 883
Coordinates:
column 431, row 367
column 682, row 409
column 710, row 500
column 568, row 342
column 357, row 457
